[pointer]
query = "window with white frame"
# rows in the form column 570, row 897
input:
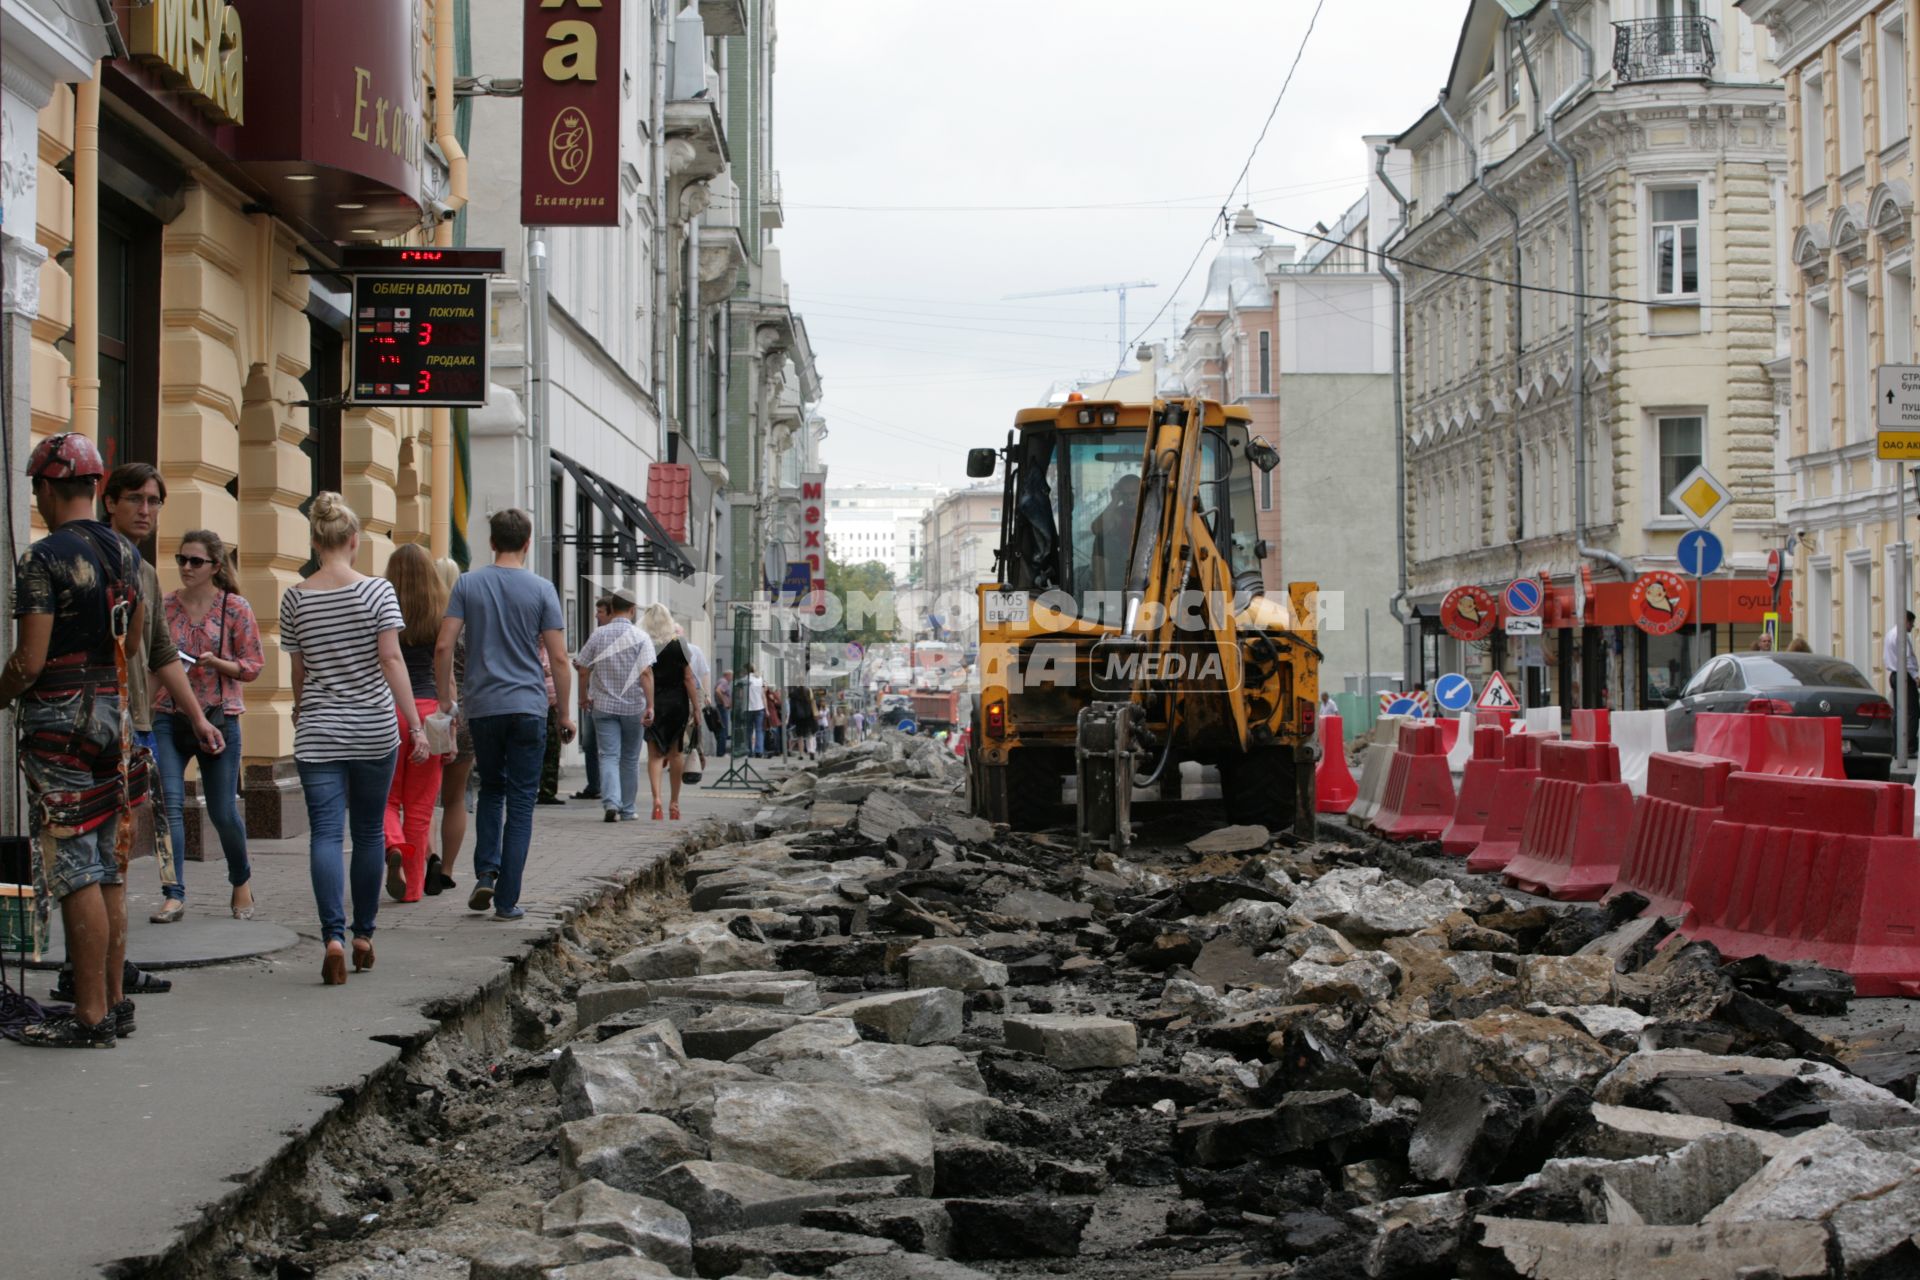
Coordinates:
column 1899, row 312
column 1813, row 130
column 1681, row 440
column 1820, row 607
column 1850, row 107
column 1676, row 242
column 1893, row 82
column 1819, row 376
column 1862, row 652
column 1859, row 362
column 1266, row 362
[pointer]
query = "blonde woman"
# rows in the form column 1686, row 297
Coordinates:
column 675, row 696
column 410, row 800
column 454, row 777
column 342, row 629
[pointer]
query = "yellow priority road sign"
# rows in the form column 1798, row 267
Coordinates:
column 1700, row 497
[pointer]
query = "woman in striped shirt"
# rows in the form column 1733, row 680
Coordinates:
column 343, row 630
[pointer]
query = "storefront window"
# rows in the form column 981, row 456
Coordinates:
column 324, row 386
column 129, row 320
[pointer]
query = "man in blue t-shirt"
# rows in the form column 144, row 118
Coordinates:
column 511, row 614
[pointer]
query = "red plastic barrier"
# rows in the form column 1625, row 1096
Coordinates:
column 1419, row 799
column 1449, row 733
column 1477, row 786
column 1334, row 789
column 1685, row 794
column 1592, row 724
column 1504, row 719
column 1507, row 817
column 1577, row 823
column 1814, row 869
column 1785, row 746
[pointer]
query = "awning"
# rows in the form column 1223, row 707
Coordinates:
column 636, row 538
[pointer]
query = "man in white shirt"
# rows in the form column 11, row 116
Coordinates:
column 1899, row 644
column 756, row 713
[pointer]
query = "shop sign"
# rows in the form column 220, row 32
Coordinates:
column 813, row 534
column 1659, row 602
column 419, row 340
column 1468, row 613
column 196, row 45
column 570, row 117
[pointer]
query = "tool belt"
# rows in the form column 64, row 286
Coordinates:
column 80, row 811
column 71, row 671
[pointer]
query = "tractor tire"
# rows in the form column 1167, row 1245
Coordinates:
column 1260, row 788
column 1032, row 790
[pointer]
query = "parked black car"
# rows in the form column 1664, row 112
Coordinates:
column 1791, row 684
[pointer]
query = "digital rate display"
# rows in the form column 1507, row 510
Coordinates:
column 419, row 340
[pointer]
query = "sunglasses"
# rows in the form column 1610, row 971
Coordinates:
column 191, row 562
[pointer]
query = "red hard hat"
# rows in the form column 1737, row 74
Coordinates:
column 67, row 456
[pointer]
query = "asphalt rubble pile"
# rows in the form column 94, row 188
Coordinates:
column 890, row 1040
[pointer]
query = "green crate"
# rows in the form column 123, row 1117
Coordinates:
column 16, row 919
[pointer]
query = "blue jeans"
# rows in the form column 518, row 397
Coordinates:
column 347, row 796
column 507, row 754
column 757, row 730
column 219, row 788
column 590, row 747
column 620, row 737
column 724, row 732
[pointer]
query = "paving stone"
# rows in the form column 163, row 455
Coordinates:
column 1465, row 1130
column 1815, row 1174
column 721, row 1033
column 1367, row 977
column 1498, row 1048
column 918, row 1226
column 1361, row 902
column 1719, row 1251
column 1673, row 1190
column 953, row 968
column 1227, row 840
column 1621, row 1133
column 822, row 1130
column 793, row 992
column 806, row 1250
column 1044, row 909
column 711, row 949
column 1071, row 1042
column 1566, row 980
column 658, row 1230
column 1848, row 1100
column 720, row 1196
column 1025, row 1228
column 964, row 1166
column 623, row 1079
column 925, row 1016
column 882, row 814
column 1303, row 1121
column 624, row 1151
column 903, row 1267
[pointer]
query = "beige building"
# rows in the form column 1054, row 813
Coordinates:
column 959, row 537
column 1850, row 71
column 1544, row 430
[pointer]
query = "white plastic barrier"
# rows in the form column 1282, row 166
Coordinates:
column 1638, row 734
column 1462, row 746
column 1386, row 729
column 1374, row 769
column 1544, row 721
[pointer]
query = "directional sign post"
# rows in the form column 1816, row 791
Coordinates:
column 1897, row 405
column 1700, row 553
column 1454, row 692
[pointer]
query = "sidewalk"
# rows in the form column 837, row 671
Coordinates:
column 111, row 1154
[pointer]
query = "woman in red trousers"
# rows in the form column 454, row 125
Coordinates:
column 416, row 787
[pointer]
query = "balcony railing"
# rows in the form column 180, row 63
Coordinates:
column 1664, row 49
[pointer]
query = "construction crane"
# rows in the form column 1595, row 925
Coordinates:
column 1120, row 289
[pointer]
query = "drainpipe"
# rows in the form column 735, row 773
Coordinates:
column 1397, row 605
column 440, row 523
column 540, row 467
column 690, row 323
column 661, row 19
column 1578, row 236
column 85, row 377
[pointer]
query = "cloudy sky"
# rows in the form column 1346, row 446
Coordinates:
column 936, row 157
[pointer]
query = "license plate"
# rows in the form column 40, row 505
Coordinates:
column 1002, row 608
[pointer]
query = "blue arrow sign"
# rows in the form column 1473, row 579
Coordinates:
column 1404, row 707
column 1522, row 597
column 1454, row 692
column 1700, row 553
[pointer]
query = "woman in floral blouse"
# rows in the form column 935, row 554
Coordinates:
column 213, row 627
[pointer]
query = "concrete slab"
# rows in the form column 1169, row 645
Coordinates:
column 239, row 1062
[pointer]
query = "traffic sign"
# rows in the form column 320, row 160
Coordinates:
column 1773, row 567
column 1658, row 602
column 1468, row 613
column 1700, row 497
column 1899, row 446
column 1404, row 704
column 1454, row 692
column 1770, row 630
column 1534, row 626
column 1700, row 553
column 1523, row 597
column 1897, row 397
column 1498, row 695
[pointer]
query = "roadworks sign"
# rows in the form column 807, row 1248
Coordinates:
column 1498, row 695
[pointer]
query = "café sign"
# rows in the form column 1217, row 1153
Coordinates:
column 570, row 119
column 196, row 45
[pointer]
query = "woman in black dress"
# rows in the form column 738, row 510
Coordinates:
column 673, row 702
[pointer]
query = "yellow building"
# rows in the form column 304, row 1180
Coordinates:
column 206, row 185
column 1851, row 71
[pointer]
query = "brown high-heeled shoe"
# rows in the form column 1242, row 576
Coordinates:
column 362, row 954
column 333, row 970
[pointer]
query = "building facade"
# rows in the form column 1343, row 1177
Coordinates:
column 958, row 539
column 1850, row 75
column 1547, row 423
column 881, row 522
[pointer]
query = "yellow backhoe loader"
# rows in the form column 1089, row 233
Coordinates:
column 1129, row 630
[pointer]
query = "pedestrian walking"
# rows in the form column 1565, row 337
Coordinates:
column 589, row 734
column 675, row 698
column 456, row 795
column 695, row 746
column 802, row 723
column 550, row 758
column 1902, row 668
column 617, row 663
column 840, row 724
column 756, row 691
column 342, row 630
column 723, row 707
column 416, row 785
column 135, row 492
column 513, row 617
column 776, row 721
column 76, row 600
column 213, row 627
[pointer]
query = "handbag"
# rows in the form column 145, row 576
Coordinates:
column 184, row 740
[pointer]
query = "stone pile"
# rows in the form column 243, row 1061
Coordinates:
column 889, row 1040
